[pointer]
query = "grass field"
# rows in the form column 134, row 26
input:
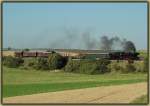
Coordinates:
column 23, row 82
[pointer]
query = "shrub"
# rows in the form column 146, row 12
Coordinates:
column 103, row 66
column 41, row 63
column 29, row 63
column 129, row 68
column 72, row 65
column 145, row 68
column 56, row 61
column 12, row 62
column 87, row 66
column 139, row 66
column 26, row 49
column 116, row 67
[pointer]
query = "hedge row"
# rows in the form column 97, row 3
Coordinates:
column 125, row 67
column 13, row 62
column 55, row 61
column 87, row 66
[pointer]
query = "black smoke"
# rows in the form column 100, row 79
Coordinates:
column 74, row 39
column 115, row 43
column 129, row 46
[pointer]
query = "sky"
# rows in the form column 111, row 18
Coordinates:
column 70, row 25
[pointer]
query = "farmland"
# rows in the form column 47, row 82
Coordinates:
column 34, row 77
column 142, row 99
column 22, row 82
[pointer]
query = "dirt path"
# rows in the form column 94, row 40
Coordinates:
column 106, row 94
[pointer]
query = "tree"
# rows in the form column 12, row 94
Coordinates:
column 12, row 62
column 41, row 63
column 56, row 61
column 26, row 49
column 9, row 48
column 129, row 46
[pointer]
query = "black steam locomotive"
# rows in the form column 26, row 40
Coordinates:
column 124, row 56
column 113, row 56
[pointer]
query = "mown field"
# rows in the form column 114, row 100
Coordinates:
column 23, row 82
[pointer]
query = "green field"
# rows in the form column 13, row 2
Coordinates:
column 23, row 82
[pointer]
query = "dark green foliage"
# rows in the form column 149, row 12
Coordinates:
column 9, row 48
column 41, row 63
column 56, row 61
column 87, row 66
column 26, row 49
column 145, row 68
column 12, row 62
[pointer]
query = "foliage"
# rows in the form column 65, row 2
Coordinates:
column 12, row 62
column 72, row 66
column 87, row 66
column 29, row 63
column 9, row 48
column 26, row 49
column 129, row 68
column 56, row 61
column 145, row 68
column 143, row 53
column 116, row 67
column 41, row 63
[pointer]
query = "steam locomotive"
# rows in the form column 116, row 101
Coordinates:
column 116, row 55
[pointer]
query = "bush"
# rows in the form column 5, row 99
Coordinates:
column 72, row 65
column 116, row 67
column 129, row 68
column 41, row 63
column 56, row 61
column 88, row 66
column 145, row 68
column 29, row 63
column 12, row 62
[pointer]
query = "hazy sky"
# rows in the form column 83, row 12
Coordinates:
column 61, row 25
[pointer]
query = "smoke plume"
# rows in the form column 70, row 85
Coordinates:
column 74, row 39
column 115, row 43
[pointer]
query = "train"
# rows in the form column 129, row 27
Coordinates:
column 90, row 54
column 31, row 54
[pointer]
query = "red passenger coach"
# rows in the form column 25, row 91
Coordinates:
column 29, row 54
column 43, row 54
